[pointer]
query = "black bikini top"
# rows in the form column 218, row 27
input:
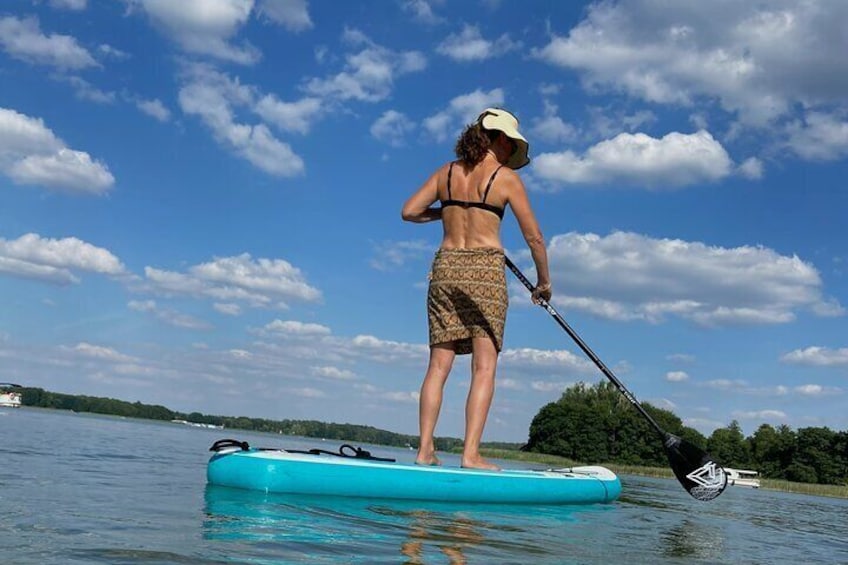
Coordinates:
column 483, row 205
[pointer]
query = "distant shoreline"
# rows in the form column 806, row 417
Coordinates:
column 829, row 491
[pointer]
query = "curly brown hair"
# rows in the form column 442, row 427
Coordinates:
column 473, row 142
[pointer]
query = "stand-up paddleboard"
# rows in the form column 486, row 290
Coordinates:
column 318, row 472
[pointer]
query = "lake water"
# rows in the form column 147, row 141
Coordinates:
column 79, row 488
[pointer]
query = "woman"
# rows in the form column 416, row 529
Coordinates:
column 467, row 298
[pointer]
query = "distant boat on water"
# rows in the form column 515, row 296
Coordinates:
column 742, row 477
column 198, row 424
column 9, row 398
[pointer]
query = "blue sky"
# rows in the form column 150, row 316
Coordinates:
column 200, row 202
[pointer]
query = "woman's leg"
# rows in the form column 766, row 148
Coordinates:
column 484, row 363
column 430, row 400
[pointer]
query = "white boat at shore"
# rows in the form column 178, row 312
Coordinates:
column 8, row 397
column 198, row 424
column 742, row 477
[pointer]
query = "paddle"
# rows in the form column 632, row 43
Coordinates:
column 699, row 474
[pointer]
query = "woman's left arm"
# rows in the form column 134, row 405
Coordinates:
column 419, row 207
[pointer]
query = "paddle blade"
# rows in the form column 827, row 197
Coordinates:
column 700, row 475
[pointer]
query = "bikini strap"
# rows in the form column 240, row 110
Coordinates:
column 491, row 180
column 450, row 172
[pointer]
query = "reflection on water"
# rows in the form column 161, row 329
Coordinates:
column 451, row 534
column 692, row 539
column 414, row 532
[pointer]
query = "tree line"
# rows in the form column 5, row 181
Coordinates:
column 38, row 397
column 590, row 424
column 598, row 424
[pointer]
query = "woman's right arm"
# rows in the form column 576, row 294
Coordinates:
column 419, row 207
column 520, row 203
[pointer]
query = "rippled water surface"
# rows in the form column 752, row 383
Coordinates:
column 77, row 488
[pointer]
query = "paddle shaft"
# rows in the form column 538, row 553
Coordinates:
column 591, row 354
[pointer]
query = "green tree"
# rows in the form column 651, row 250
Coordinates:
column 841, row 453
column 728, row 445
column 800, row 473
column 772, row 450
column 598, row 424
column 817, row 451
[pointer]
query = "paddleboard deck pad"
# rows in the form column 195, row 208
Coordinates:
column 353, row 472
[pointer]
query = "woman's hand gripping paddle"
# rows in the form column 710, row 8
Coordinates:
column 700, row 474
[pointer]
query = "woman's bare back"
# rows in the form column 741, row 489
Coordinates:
column 471, row 227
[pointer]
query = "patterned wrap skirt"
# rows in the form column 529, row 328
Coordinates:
column 467, row 297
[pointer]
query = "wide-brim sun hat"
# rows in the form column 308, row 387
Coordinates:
column 504, row 121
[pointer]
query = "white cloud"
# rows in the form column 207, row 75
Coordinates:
column 422, row 11
column 676, row 376
column 510, row 384
column 295, row 328
column 23, row 39
column 740, row 387
column 627, row 276
column 306, row 392
column 820, row 137
column 154, row 108
column 406, row 397
column 227, row 309
column 681, row 357
column 76, row 5
column 609, row 121
column 66, row 169
column 392, row 127
column 369, row 73
column 261, row 283
column 204, row 27
column 55, row 260
column 168, row 315
column 704, row 425
column 213, row 97
column 333, row 373
column 462, row 110
column 99, row 352
column 551, row 359
column 816, row 390
column 387, row 351
column 751, row 168
column 240, row 354
column 665, row 403
column 112, row 52
column 550, row 386
column 291, row 14
column 553, row 129
column 22, row 135
column 469, row 45
column 30, row 153
column 673, row 161
column 818, row 356
column 550, row 127
column 289, row 116
column 394, row 254
column 760, row 415
column 756, row 60
column 84, row 90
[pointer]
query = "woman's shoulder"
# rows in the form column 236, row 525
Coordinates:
column 508, row 176
column 441, row 172
column 447, row 166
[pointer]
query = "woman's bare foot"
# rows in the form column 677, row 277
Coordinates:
column 429, row 460
column 478, row 463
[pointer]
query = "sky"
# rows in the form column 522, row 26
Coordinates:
column 200, row 202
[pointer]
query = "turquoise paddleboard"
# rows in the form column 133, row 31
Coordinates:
column 235, row 464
